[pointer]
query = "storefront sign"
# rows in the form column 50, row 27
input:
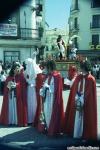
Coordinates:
column 8, row 30
column 95, row 47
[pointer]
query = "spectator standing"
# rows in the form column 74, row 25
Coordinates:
column 3, row 78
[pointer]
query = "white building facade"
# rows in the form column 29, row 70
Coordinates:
column 23, row 32
column 84, row 21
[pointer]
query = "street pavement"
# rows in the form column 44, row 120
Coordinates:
column 29, row 138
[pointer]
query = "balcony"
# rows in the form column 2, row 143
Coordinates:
column 27, row 33
column 93, row 25
column 74, row 29
column 94, row 46
column 23, row 33
column 74, row 9
column 95, row 4
column 39, row 1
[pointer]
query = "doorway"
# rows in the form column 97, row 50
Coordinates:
column 11, row 56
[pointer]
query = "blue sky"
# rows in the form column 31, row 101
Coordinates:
column 57, row 13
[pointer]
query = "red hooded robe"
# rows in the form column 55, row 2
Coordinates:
column 90, row 108
column 39, row 83
column 21, row 101
column 57, row 117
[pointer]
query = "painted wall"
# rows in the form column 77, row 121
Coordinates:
column 84, row 16
column 27, row 16
column 84, row 24
column 27, row 20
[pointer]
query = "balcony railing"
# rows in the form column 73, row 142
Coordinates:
column 75, row 8
column 94, row 46
column 75, row 28
column 25, row 33
column 95, row 4
column 93, row 25
column 28, row 33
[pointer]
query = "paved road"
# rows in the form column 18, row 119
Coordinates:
column 29, row 138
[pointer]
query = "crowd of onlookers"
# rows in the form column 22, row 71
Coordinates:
column 96, row 70
column 5, row 68
column 4, row 72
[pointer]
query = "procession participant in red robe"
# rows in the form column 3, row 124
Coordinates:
column 81, row 111
column 72, row 73
column 14, row 110
column 24, row 99
column 51, row 92
column 39, row 83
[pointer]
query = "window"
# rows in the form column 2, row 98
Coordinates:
column 75, row 23
column 96, row 21
column 95, row 3
column 95, row 39
column 10, row 56
column 75, row 42
column 76, row 4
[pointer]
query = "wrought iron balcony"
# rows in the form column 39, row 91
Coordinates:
column 25, row 33
column 93, row 25
column 75, row 8
column 94, row 46
column 95, row 4
column 28, row 33
column 75, row 28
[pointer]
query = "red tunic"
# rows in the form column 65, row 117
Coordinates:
column 39, row 82
column 90, row 108
column 57, row 117
column 21, row 101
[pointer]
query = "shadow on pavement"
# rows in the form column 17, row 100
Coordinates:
column 30, row 138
